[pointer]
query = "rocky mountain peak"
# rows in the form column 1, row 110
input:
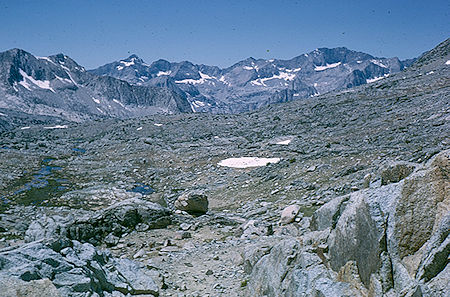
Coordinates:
column 252, row 83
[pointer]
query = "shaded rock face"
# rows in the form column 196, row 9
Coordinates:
column 435, row 258
column 418, row 208
column 390, row 240
column 194, row 202
column 356, row 238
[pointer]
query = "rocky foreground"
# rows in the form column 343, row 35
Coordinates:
column 355, row 203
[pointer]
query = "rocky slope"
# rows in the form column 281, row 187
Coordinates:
column 253, row 83
column 354, row 203
column 56, row 87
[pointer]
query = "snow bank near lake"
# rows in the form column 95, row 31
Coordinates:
column 245, row 162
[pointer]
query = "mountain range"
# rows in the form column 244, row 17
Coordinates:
column 252, row 83
column 57, row 89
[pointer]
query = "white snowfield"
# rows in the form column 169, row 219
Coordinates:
column 203, row 78
column 284, row 142
column 43, row 84
column 245, row 162
column 371, row 80
column 282, row 75
column 57, row 127
column 378, row 62
column 164, row 73
column 328, row 66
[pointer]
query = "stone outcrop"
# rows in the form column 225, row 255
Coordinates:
column 76, row 269
column 391, row 240
column 118, row 219
column 15, row 287
column 194, row 202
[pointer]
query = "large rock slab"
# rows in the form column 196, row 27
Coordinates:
column 328, row 214
column 118, row 219
column 356, row 238
column 289, row 213
column 425, row 199
column 270, row 271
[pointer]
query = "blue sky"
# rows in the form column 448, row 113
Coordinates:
column 219, row 32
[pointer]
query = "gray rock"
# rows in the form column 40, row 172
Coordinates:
column 270, row 271
column 326, row 216
column 79, row 269
column 357, row 238
column 118, row 219
column 111, row 240
column 15, row 287
column 194, row 202
column 289, row 214
column 395, row 172
column 46, row 227
column 253, row 253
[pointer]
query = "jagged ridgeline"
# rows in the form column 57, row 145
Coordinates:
column 253, row 83
column 345, row 193
column 55, row 89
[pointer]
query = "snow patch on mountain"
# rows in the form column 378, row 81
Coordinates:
column 282, row 75
column 293, row 70
column 371, row 80
column 57, row 127
column 118, row 102
column 203, row 78
column 128, row 64
column 223, row 80
column 45, row 59
column 378, row 63
column 163, row 73
column 43, row 84
column 284, row 142
column 328, row 66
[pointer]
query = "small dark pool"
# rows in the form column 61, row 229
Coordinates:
column 142, row 189
column 79, row 150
